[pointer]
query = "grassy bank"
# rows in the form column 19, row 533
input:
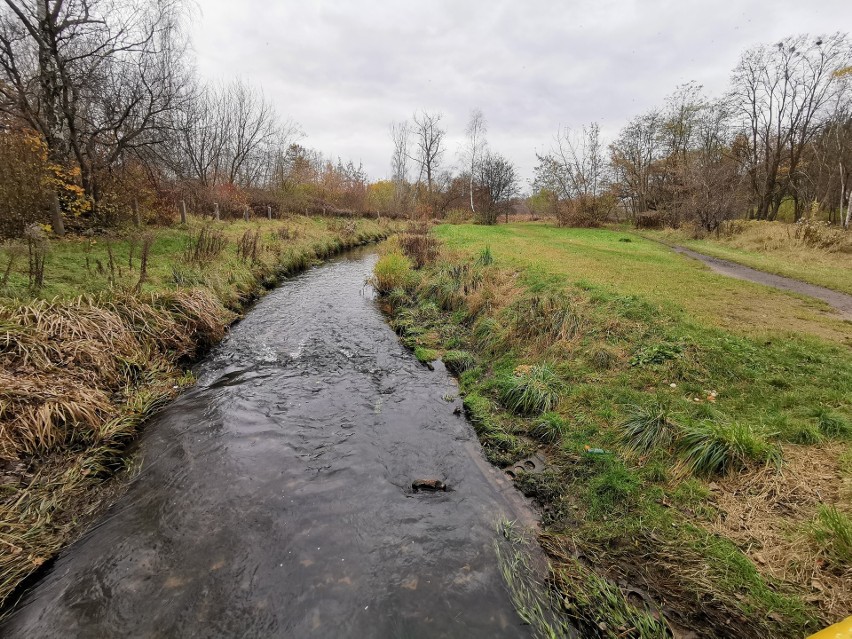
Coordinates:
column 703, row 462
column 813, row 253
column 105, row 341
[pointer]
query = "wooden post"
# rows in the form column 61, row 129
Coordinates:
column 246, row 214
column 56, row 216
column 137, row 220
column 183, row 212
column 269, row 212
column 216, row 211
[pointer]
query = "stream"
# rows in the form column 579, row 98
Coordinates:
column 274, row 498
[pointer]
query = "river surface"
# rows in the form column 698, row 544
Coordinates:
column 274, row 498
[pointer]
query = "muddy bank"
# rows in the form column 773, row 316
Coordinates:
column 276, row 498
column 841, row 302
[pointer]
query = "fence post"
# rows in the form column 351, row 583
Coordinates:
column 137, row 220
column 216, row 211
column 246, row 214
column 269, row 211
column 56, row 216
column 183, row 212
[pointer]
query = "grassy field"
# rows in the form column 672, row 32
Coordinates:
column 774, row 247
column 88, row 356
column 697, row 428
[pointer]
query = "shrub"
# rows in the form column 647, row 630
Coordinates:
column 712, row 448
column 457, row 362
column 648, row 427
column 421, row 248
column 392, row 271
column 651, row 220
column 531, row 390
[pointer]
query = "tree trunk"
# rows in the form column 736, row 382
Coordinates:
column 183, row 212
column 56, row 216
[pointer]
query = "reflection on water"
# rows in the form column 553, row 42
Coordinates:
column 275, row 497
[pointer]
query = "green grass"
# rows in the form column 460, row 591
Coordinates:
column 633, row 356
column 833, row 531
column 710, row 448
column 80, row 265
column 771, row 247
column 531, row 390
column 647, row 269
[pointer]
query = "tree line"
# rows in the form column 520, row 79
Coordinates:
column 103, row 115
column 781, row 136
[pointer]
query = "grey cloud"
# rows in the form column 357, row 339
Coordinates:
column 345, row 70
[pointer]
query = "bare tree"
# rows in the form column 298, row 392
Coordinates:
column 477, row 127
column 98, row 79
column 781, row 93
column 633, row 156
column 429, row 146
column 400, row 134
column 499, row 182
column 575, row 165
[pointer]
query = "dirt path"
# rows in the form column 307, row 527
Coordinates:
column 841, row 302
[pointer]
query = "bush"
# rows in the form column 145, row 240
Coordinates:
column 719, row 448
column 651, row 220
column 392, row 271
column 421, row 247
column 531, row 390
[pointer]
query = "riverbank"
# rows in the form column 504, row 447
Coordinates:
column 696, row 429
column 106, row 341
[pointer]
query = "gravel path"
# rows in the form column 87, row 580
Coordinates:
column 841, row 302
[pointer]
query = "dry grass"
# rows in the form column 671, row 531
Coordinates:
column 76, row 379
column 768, row 515
column 79, row 374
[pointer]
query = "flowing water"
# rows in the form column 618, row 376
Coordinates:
column 274, row 498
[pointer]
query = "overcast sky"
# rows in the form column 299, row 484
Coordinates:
column 345, row 70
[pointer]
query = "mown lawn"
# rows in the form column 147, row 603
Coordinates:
column 698, row 428
column 626, row 264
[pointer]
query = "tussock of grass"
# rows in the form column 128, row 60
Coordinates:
column 648, row 427
column 531, row 390
column 832, row 530
column 550, row 429
column 392, row 271
column 457, row 362
column 544, row 318
column 711, row 448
